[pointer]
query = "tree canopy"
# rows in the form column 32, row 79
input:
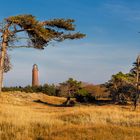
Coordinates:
column 40, row 33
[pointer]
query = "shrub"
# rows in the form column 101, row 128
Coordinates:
column 82, row 95
column 46, row 89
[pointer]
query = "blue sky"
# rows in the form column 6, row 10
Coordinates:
column 111, row 45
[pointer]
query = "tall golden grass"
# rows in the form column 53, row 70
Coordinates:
column 23, row 119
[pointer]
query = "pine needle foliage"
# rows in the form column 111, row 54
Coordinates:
column 41, row 33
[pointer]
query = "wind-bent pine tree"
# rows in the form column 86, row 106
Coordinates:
column 40, row 34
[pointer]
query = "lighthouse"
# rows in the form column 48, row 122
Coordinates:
column 35, row 79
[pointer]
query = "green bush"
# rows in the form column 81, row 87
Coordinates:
column 83, row 96
column 46, row 89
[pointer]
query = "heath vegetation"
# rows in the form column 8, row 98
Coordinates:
column 24, row 119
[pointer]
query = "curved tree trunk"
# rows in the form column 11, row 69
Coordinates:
column 3, row 52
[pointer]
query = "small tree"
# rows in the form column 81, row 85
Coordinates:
column 38, row 33
column 120, row 86
column 70, row 87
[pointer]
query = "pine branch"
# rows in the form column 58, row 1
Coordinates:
column 66, row 24
column 41, row 33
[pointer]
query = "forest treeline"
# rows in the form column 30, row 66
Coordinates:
column 119, row 89
column 83, row 92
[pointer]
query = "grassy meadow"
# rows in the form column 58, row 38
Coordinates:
column 22, row 118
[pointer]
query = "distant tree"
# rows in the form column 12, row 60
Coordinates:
column 98, row 91
column 39, row 34
column 120, row 87
column 49, row 89
column 70, row 87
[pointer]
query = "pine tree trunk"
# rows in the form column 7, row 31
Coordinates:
column 3, row 52
column 137, row 84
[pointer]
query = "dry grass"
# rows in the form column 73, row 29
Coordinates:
column 23, row 119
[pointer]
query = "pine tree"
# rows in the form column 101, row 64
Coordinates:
column 39, row 34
